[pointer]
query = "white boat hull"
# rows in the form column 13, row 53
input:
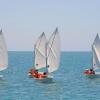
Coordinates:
column 97, row 73
column 46, row 80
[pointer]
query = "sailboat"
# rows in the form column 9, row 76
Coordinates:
column 46, row 56
column 3, row 53
column 95, row 58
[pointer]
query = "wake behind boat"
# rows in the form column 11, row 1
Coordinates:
column 96, row 59
column 46, row 56
column 3, row 53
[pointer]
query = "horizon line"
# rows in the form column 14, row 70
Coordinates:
column 61, row 51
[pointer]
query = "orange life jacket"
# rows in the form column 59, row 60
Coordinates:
column 36, row 74
column 41, row 75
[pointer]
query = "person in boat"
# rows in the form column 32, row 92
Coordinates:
column 33, row 72
column 42, row 75
column 92, row 71
column 45, row 74
column 36, row 74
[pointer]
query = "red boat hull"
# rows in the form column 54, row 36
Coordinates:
column 89, row 73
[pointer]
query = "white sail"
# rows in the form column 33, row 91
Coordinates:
column 96, row 53
column 40, row 52
column 53, row 52
column 3, row 53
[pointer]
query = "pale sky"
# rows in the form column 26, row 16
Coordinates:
column 22, row 21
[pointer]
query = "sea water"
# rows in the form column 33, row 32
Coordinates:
column 69, row 82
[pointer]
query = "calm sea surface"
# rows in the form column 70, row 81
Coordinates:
column 68, row 83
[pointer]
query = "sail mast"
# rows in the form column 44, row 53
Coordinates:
column 34, row 54
column 46, row 58
column 92, row 59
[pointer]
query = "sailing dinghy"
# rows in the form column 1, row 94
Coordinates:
column 96, row 58
column 46, row 56
column 3, row 53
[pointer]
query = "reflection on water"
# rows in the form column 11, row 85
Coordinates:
column 3, row 87
column 3, row 81
column 48, row 89
column 45, row 81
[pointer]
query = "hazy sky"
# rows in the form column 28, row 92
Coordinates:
column 22, row 21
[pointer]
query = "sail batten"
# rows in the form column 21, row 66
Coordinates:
column 42, row 54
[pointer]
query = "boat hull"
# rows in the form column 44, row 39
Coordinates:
column 89, row 74
column 96, row 75
column 46, row 80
